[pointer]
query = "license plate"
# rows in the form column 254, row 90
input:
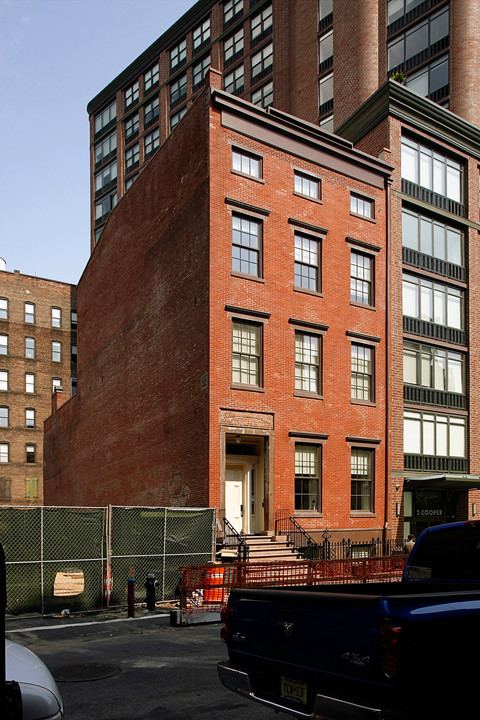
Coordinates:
column 294, row 691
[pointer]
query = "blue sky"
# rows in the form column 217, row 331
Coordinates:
column 55, row 56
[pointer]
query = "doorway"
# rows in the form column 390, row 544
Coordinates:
column 244, row 487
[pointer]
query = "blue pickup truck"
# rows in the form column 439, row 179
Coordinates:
column 392, row 651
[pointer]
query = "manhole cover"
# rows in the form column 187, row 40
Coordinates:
column 85, row 671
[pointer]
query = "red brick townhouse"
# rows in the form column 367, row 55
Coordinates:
column 233, row 346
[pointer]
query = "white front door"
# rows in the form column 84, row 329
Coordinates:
column 234, row 496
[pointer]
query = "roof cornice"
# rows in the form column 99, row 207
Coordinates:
column 394, row 99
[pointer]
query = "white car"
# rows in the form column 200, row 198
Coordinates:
column 40, row 695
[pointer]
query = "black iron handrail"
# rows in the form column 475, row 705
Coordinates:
column 298, row 537
column 233, row 537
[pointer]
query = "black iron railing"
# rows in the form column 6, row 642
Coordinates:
column 233, row 539
column 297, row 536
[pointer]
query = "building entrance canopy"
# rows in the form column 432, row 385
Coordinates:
column 443, row 482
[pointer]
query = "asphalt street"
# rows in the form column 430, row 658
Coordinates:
column 114, row 668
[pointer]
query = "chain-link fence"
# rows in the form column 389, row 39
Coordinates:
column 80, row 559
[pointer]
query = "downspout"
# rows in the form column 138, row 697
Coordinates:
column 386, row 529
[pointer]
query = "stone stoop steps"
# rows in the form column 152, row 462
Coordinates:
column 268, row 548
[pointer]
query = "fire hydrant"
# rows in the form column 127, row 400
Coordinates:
column 151, row 584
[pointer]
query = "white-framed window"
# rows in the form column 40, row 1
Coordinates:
column 307, row 362
column 4, row 380
column 4, row 416
column 362, row 479
column 29, row 417
column 56, row 351
column 362, row 385
column 308, row 477
column 29, row 382
column 307, row 268
column 29, row 312
column 3, row 344
column 3, row 308
column 30, row 453
column 132, row 94
column 246, row 163
column 151, row 78
column 106, row 117
column 201, row 35
column 234, row 82
column 246, row 353
column 30, row 348
column 246, row 245
column 306, row 185
column 178, row 54
column 4, row 452
column 362, row 206
column 56, row 383
column 361, row 278
column 56, row 317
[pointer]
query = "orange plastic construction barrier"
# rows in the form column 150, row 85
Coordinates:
column 214, row 591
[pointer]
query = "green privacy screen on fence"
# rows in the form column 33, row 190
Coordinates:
column 61, row 558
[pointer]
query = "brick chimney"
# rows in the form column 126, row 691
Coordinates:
column 58, row 398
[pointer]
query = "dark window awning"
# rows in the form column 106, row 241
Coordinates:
column 443, row 482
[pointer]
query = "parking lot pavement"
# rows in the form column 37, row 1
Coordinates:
column 113, row 668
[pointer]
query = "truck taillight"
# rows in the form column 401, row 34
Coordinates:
column 391, row 642
column 224, row 613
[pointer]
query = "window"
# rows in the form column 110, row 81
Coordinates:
column 246, row 245
column 433, row 302
column 435, row 368
column 361, row 206
column 246, row 354
column 3, row 379
column 325, row 8
column 129, row 181
column 263, row 97
column 262, row 63
column 3, row 309
column 106, row 177
column 29, row 312
column 56, row 317
column 56, row 351
column 325, row 50
column 152, row 142
column 247, row 164
column 397, row 8
column 31, row 489
column 431, row 81
column 434, row 435
column 73, row 386
column 326, row 123
column 418, row 43
column 73, row 354
column 362, row 373
column 106, row 148
column 307, row 263
column 362, row 480
column 201, row 35
column 232, row 9
column 233, row 48
column 306, row 185
column 307, row 363
column 151, row 78
column 176, row 117
column 178, row 55
column 30, row 453
column 199, row 72
column 106, row 117
column 325, row 86
column 132, row 157
column 3, row 344
column 234, row 82
column 131, row 127
column 104, row 207
column 30, row 348
column 4, row 452
column 425, row 167
column 361, row 278
column 73, row 319
column 56, row 383
column 151, row 112
column 30, row 418
column 261, row 25
column 131, row 94
column 307, row 479
column 4, row 416
column 432, row 237
column 178, row 91
column 29, row 382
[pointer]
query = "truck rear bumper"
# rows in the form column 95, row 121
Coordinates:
column 325, row 708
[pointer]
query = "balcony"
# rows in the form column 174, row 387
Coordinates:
column 432, row 198
column 433, row 463
column 428, row 396
column 415, row 326
column 432, row 264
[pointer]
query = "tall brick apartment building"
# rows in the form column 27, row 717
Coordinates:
column 315, row 59
column 37, row 357
column 238, row 356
